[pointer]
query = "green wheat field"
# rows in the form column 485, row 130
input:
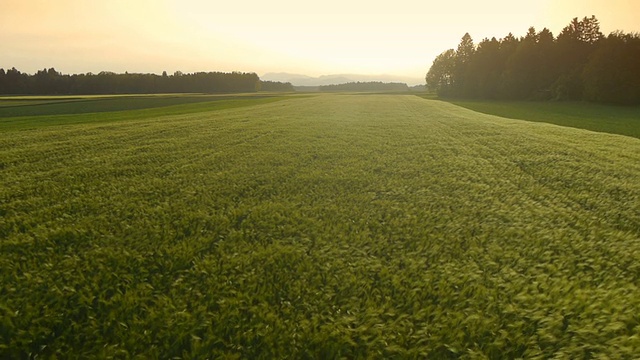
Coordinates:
column 312, row 227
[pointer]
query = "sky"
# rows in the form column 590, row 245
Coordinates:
column 399, row 37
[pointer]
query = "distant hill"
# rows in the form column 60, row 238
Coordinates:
column 304, row 80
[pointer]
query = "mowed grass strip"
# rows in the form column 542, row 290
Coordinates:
column 94, row 105
column 36, row 113
column 623, row 120
column 320, row 227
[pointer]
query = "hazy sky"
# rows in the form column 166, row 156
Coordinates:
column 399, row 37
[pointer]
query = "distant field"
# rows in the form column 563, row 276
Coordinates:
column 67, row 105
column 29, row 112
column 327, row 226
column 623, row 120
column 20, row 102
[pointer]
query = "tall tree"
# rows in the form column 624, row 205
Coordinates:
column 508, row 46
column 575, row 42
column 440, row 75
column 3, row 85
column 547, row 70
column 484, row 70
column 613, row 73
column 16, row 82
column 522, row 67
column 464, row 53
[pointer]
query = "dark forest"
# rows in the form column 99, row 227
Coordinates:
column 52, row 82
column 579, row 64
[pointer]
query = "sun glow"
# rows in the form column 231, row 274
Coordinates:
column 331, row 37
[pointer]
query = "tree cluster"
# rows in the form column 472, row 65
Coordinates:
column 52, row 82
column 579, row 64
column 276, row 86
column 365, row 86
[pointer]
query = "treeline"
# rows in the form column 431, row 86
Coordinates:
column 579, row 64
column 366, row 86
column 52, row 82
column 276, row 86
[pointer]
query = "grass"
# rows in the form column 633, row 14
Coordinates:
column 67, row 110
column 68, row 106
column 319, row 227
column 17, row 102
column 595, row 117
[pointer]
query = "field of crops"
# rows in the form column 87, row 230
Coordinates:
column 329, row 226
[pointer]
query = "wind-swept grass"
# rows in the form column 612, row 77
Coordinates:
column 319, row 227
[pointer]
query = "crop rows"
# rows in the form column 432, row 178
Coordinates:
column 320, row 227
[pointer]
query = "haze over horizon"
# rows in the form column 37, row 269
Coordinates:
column 357, row 37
